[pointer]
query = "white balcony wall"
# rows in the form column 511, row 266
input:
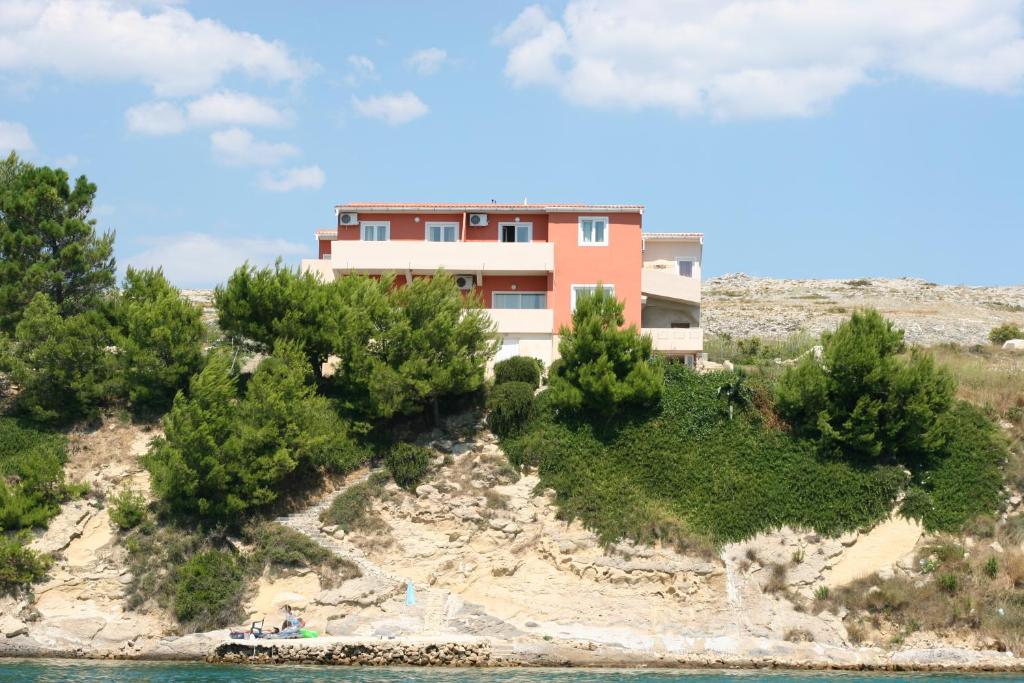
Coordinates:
column 676, row 340
column 523, row 320
column 667, row 284
column 400, row 256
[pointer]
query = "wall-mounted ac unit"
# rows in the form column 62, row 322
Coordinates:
column 465, row 282
column 478, row 220
column 348, row 219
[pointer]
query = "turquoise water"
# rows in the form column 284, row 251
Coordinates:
column 47, row 671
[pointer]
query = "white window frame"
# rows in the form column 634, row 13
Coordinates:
column 439, row 224
column 519, row 309
column 608, row 288
column 607, row 231
column 691, row 261
column 376, row 224
column 529, row 225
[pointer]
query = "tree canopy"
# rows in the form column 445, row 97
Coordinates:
column 604, row 366
column 48, row 243
column 863, row 400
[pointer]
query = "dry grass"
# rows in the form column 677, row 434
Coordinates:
column 987, row 377
column 972, row 594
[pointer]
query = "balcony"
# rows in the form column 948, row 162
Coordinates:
column 523, row 320
column 422, row 257
column 667, row 285
column 673, row 340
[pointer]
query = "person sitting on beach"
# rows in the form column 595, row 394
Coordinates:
column 292, row 622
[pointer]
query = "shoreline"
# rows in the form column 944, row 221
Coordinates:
column 705, row 654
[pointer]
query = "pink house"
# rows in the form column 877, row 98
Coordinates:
column 529, row 262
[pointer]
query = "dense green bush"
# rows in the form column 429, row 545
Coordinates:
column 277, row 548
column 1005, row 332
column 863, row 401
column 128, row 509
column 32, row 485
column 509, row 407
column 209, row 589
column 689, row 475
column 20, row 566
column 48, row 243
column 352, row 509
column 518, row 369
column 603, row 366
column 222, row 456
column 65, row 366
column 159, row 338
column 407, row 464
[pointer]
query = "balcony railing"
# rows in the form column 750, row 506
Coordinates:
column 668, row 285
column 676, row 339
column 523, row 320
column 402, row 256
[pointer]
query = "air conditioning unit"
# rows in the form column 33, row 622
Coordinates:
column 465, row 282
column 348, row 219
column 478, row 220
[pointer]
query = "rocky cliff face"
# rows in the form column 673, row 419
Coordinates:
column 744, row 306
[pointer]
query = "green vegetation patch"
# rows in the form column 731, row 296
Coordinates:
column 32, row 485
column 20, row 566
column 352, row 509
column 689, row 474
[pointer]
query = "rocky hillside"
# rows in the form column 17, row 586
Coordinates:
column 744, row 306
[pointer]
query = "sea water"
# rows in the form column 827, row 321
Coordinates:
column 78, row 671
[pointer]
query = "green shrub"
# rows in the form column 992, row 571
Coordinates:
column 991, row 567
column 1005, row 332
column 407, row 464
column 32, row 485
column 948, row 582
column 278, row 548
column 209, row 589
column 128, row 509
column 518, row 369
column 352, row 509
column 20, row 566
column 509, row 406
column 604, row 367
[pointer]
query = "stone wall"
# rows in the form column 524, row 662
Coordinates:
column 361, row 653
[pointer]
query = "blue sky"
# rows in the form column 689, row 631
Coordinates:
column 846, row 139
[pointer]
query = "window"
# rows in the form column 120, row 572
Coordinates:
column 593, row 232
column 376, row 232
column 515, row 232
column 577, row 290
column 519, row 300
column 685, row 267
column 680, row 326
column 442, row 232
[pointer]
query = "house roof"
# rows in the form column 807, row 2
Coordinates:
column 674, row 236
column 399, row 207
column 326, row 234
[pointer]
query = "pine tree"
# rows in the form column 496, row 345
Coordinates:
column 48, row 243
column 159, row 338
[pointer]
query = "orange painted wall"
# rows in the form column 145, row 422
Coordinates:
column 523, row 283
column 617, row 264
column 324, row 247
column 403, row 225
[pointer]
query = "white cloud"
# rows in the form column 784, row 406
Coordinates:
column 360, row 68
column 164, row 47
column 155, row 118
column 228, row 107
column 225, row 107
column 237, row 147
column 394, row 109
column 427, row 62
column 753, row 58
column 305, row 177
column 204, row 260
column 67, row 162
column 14, row 136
